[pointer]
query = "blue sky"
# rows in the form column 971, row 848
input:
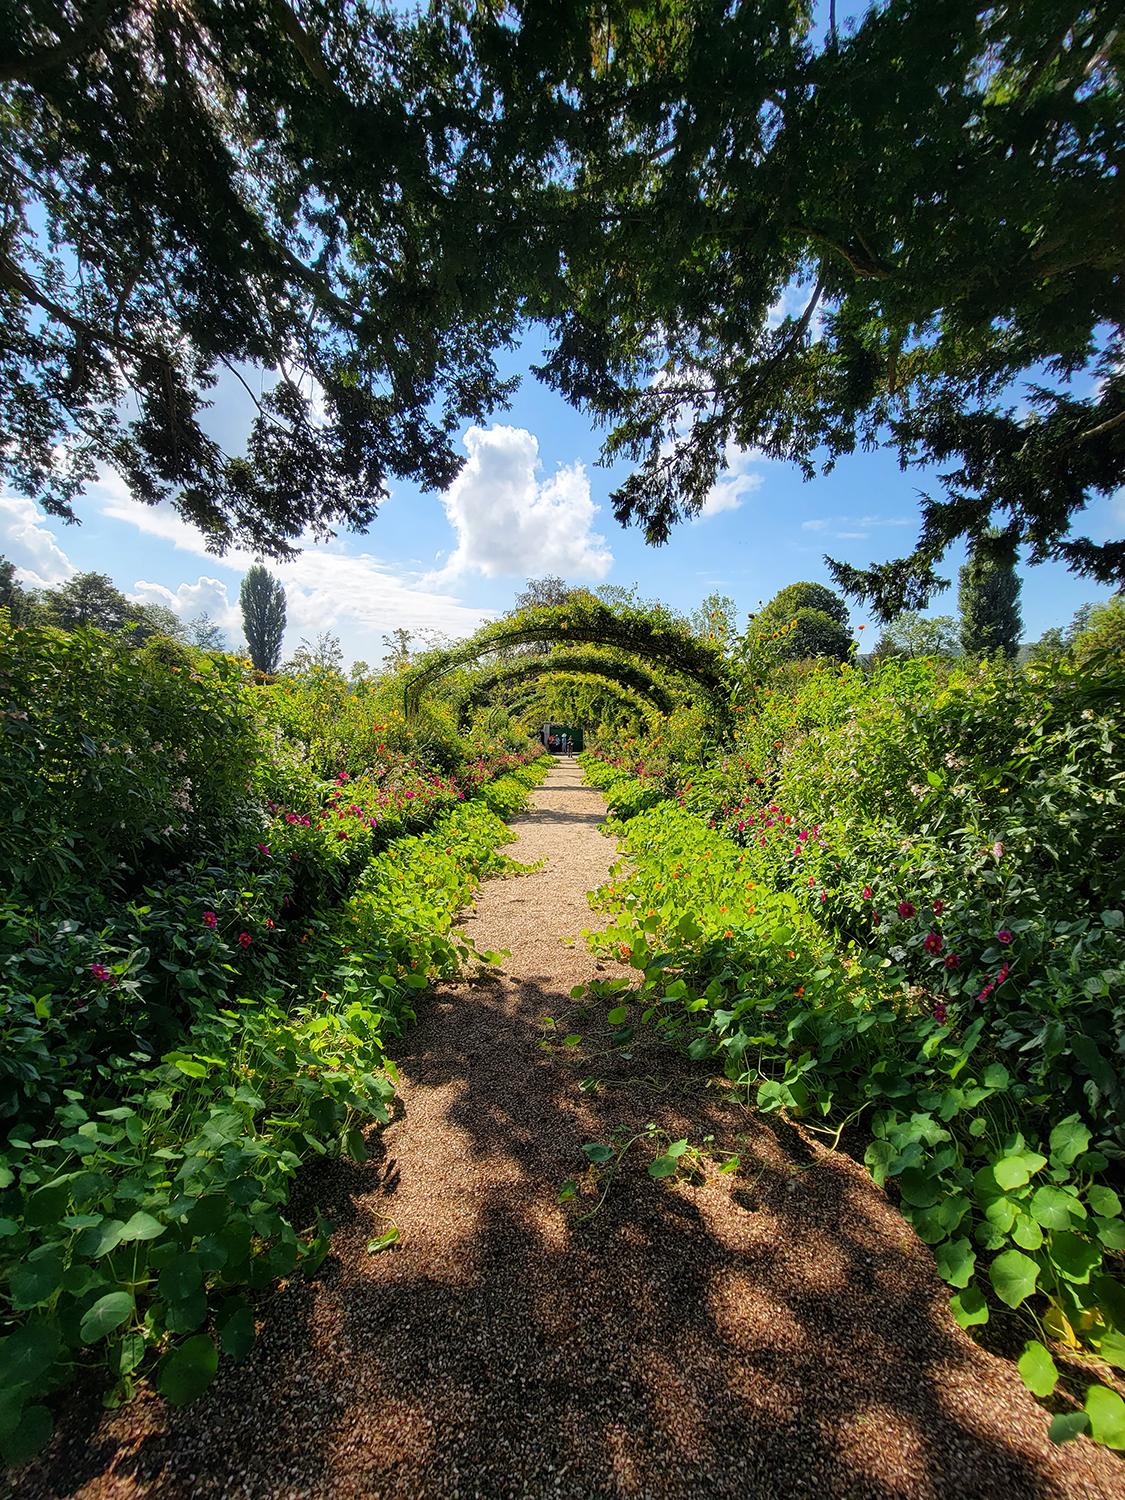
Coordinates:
column 531, row 500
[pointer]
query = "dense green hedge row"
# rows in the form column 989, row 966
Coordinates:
column 896, row 905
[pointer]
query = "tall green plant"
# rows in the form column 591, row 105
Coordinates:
column 989, row 598
column 263, row 617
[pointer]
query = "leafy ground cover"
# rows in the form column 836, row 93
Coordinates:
column 895, row 909
column 220, row 907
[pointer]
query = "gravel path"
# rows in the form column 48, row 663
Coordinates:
column 776, row 1333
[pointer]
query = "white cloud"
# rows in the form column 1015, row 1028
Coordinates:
column 25, row 541
column 733, row 485
column 510, row 522
column 205, row 596
column 854, row 528
column 792, row 303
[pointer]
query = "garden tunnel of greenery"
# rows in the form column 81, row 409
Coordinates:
column 588, row 666
column 661, row 641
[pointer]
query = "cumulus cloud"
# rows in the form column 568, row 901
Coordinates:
column 24, row 540
column 206, row 596
column 733, row 485
column 509, row 521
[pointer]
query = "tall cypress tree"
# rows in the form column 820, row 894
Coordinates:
column 263, row 617
column 989, row 597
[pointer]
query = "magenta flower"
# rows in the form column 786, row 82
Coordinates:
column 953, row 961
column 876, row 919
column 940, row 1012
column 867, row 893
column 824, row 895
column 933, row 943
column 939, row 907
column 906, row 909
column 1004, row 936
column 244, row 939
column 264, row 849
column 210, row 919
column 101, row 973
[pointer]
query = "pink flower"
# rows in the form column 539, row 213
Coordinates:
column 984, row 994
column 803, row 835
column 1004, row 936
column 101, row 973
column 824, row 895
column 867, row 893
column 953, row 961
column 939, row 907
column 940, row 1012
column 906, row 909
column 210, row 919
column 933, row 942
column 1005, row 970
column 264, row 849
column 244, row 940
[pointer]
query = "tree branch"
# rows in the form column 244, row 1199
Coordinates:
column 21, row 69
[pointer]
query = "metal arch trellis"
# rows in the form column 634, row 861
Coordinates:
column 586, row 664
column 583, row 620
column 523, row 701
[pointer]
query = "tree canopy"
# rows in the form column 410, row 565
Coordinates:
column 738, row 234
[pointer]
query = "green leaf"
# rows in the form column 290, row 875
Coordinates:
column 677, row 1148
column 237, row 1332
column 919, row 1187
column 1068, row 1425
column 1103, row 1201
column 383, row 1241
column 188, row 1370
column 181, row 1278
column 1106, row 1412
column 956, row 1260
column 141, row 1226
column 102, row 1239
column 107, row 1313
column 969, row 1307
column 1038, row 1370
column 29, row 1437
column 572, row 1040
column 1013, row 1276
column 596, row 1152
column 1054, row 1208
column 127, row 1355
column 1013, row 1171
column 355, row 1145
column 664, row 1166
column 1074, row 1256
column 36, row 1279
column 1068, row 1140
column 28, row 1353
column 617, row 1015
column 1111, row 1347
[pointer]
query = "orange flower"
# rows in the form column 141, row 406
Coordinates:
column 728, row 933
column 799, row 991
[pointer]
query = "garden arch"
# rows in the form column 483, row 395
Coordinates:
column 584, row 620
column 587, row 665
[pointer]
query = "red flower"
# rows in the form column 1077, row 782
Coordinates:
column 264, row 849
column 875, row 918
column 1004, row 936
column 867, row 893
column 940, row 1012
column 906, row 909
column 210, row 919
column 101, row 973
column 244, row 939
column 939, row 907
column 953, row 961
column 933, row 942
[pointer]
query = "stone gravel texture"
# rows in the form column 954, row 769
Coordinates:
column 780, row 1332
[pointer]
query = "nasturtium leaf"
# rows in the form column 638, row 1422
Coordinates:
column 1068, row 1425
column 188, row 1370
column 28, row 1437
column 956, row 1260
column 1038, row 1370
column 1013, row 1276
column 969, row 1307
column 127, row 1355
column 141, row 1226
column 1018, row 1168
column 27, row 1354
column 677, row 1148
column 237, row 1333
column 1111, row 1347
column 181, row 1278
column 664, row 1166
column 107, row 1313
column 596, row 1152
column 617, row 1015
column 1104, row 1201
column 1027, row 1233
column 208, row 1214
column 1111, row 1299
column 1068, row 1140
column 572, row 1040
column 1106, row 1412
column 919, row 1188
column 36, row 1279
column 1111, row 1233
column 1054, row 1208
column 1074, row 1257
column 355, row 1145
column 383, row 1241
